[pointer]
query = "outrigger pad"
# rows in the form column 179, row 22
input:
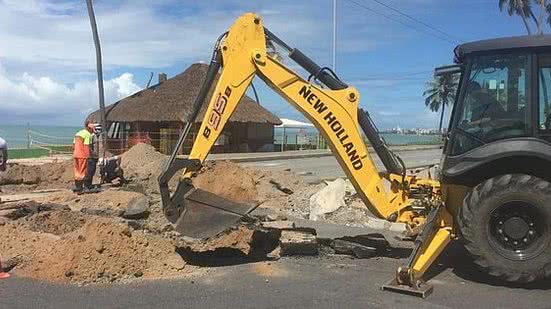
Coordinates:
column 207, row 214
column 421, row 289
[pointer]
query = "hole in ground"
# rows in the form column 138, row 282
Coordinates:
column 262, row 243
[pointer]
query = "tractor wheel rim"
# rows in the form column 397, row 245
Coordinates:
column 517, row 230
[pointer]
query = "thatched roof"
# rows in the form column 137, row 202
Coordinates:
column 172, row 100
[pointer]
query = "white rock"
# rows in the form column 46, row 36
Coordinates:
column 328, row 199
column 349, row 187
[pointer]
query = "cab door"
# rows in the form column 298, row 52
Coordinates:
column 542, row 113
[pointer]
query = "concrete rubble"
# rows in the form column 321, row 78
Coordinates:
column 298, row 242
column 328, row 199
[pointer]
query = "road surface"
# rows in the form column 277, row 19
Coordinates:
column 314, row 170
column 313, row 282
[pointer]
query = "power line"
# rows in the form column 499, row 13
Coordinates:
column 416, row 20
column 402, row 23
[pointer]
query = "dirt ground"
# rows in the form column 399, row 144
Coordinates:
column 63, row 237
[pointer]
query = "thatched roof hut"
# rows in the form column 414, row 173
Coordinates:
column 172, row 100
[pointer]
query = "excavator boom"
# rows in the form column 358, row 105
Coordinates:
column 333, row 107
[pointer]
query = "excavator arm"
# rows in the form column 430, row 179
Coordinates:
column 333, row 107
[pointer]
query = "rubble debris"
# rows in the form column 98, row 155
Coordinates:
column 242, row 244
column 278, row 225
column 102, row 212
column 138, row 208
column 281, row 188
column 360, row 246
column 375, row 240
column 328, row 199
column 352, row 248
column 298, row 242
column 19, row 210
column 239, row 239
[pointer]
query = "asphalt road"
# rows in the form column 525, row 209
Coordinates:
column 308, row 282
column 315, row 170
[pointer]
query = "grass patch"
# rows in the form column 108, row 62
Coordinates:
column 38, row 152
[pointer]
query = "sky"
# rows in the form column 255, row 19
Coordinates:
column 47, row 58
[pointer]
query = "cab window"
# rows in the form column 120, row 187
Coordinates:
column 495, row 104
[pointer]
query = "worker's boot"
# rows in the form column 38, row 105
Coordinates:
column 78, row 187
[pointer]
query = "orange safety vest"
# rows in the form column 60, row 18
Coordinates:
column 82, row 141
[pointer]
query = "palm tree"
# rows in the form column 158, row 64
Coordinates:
column 521, row 8
column 439, row 93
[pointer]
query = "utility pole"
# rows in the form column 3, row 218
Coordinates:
column 99, row 69
column 335, row 36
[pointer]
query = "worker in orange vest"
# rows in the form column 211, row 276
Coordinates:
column 81, row 153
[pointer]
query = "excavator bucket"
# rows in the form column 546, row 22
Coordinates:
column 206, row 214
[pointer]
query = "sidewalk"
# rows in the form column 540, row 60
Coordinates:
column 247, row 157
column 301, row 154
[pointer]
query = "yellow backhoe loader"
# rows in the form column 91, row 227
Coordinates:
column 493, row 192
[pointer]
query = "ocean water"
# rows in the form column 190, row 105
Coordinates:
column 391, row 139
column 17, row 136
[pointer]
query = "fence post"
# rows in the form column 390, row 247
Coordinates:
column 28, row 136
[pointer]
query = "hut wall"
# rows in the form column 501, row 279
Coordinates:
column 260, row 136
column 236, row 137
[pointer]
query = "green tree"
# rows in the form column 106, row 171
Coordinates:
column 439, row 93
column 523, row 8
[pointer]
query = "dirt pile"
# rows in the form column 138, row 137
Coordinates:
column 45, row 176
column 228, row 180
column 142, row 161
column 107, row 199
column 143, row 164
column 69, row 246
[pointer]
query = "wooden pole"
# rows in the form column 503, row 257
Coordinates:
column 99, row 70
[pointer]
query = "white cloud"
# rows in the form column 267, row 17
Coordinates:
column 133, row 34
column 49, row 59
column 388, row 113
column 27, row 96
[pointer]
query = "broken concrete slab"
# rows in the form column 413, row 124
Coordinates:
column 351, row 248
column 278, row 225
column 374, row 240
column 328, row 199
column 298, row 242
column 138, row 208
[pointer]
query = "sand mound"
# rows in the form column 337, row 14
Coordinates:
column 228, row 180
column 142, row 160
column 49, row 175
column 143, row 164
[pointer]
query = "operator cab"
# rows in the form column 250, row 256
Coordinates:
column 502, row 111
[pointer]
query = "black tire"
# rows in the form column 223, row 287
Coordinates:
column 503, row 206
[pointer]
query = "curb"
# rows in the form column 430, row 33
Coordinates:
column 328, row 153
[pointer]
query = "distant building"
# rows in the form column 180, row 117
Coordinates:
column 156, row 116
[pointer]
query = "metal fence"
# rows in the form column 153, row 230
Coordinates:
column 41, row 144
